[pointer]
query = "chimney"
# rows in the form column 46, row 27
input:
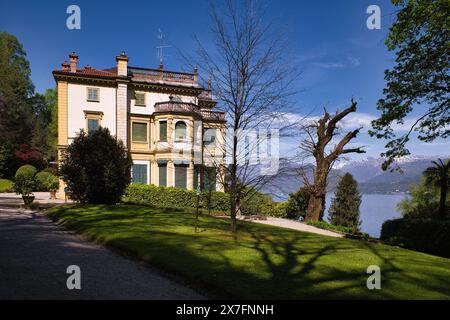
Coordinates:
column 122, row 64
column 65, row 66
column 73, row 62
column 195, row 74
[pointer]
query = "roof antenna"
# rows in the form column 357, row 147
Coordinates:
column 161, row 48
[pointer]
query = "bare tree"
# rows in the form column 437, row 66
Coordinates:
column 252, row 81
column 319, row 134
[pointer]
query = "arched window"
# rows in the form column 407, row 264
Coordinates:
column 180, row 131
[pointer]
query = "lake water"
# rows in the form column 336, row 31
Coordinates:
column 375, row 209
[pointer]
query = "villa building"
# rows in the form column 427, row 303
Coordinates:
column 163, row 118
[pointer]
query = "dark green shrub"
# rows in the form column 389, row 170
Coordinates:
column 219, row 201
column 175, row 197
column 25, row 180
column 6, row 185
column 42, row 179
column 298, row 204
column 96, row 167
column 348, row 231
column 426, row 235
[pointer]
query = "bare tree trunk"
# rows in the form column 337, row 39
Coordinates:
column 233, row 203
column 316, row 205
column 320, row 134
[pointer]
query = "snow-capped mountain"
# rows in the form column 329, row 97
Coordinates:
column 368, row 173
column 372, row 178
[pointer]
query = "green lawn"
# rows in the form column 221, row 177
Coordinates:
column 263, row 262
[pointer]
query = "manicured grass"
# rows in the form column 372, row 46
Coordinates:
column 6, row 185
column 263, row 262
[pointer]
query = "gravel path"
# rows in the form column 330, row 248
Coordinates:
column 35, row 253
column 286, row 223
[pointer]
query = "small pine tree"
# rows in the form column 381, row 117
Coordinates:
column 344, row 209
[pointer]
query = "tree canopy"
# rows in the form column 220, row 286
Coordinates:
column 28, row 124
column 419, row 80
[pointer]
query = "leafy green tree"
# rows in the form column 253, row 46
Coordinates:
column 439, row 176
column 298, row 203
column 420, row 78
column 8, row 163
column 15, row 90
column 422, row 202
column 96, row 167
column 44, row 126
column 344, row 209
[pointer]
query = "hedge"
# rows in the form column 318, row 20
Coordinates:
column 426, row 235
column 6, row 185
column 220, row 202
column 171, row 197
column 339, row 229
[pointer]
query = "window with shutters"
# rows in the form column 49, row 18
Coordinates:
column 92, row 125
column 139, row 173
column 93, row 120
column 140, row 98
column 162, row 173
column 139, row 132
column 162, row 130
column 181, row 176
column 209, row 179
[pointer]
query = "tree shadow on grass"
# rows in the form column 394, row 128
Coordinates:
column 262, row 262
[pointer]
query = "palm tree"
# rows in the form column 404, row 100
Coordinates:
column 439, row 175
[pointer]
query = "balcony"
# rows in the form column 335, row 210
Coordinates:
column 183, row 107
column 212, row 115
column 160, row 75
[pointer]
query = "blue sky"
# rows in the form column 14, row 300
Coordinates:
column 339, row 56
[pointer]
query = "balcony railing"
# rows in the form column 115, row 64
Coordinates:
column 213, row 115
column 183, row 107
column 155, row 75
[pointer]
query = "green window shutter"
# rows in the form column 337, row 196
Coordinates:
column 92, row 125
column 196, row 173
column 163, row 131
column 162, row 172
column 139, row 173
column 209, row 179
column 139, row 132
column 181, row 176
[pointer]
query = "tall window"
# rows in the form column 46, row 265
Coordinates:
column 93, row 124
column 139, row 173
column 162, row 173
column 209, row 179
column 163, row 130
column 140, row 98
column 92, row 94
column 180, row 131
column 181, row 176
column 139, row 132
